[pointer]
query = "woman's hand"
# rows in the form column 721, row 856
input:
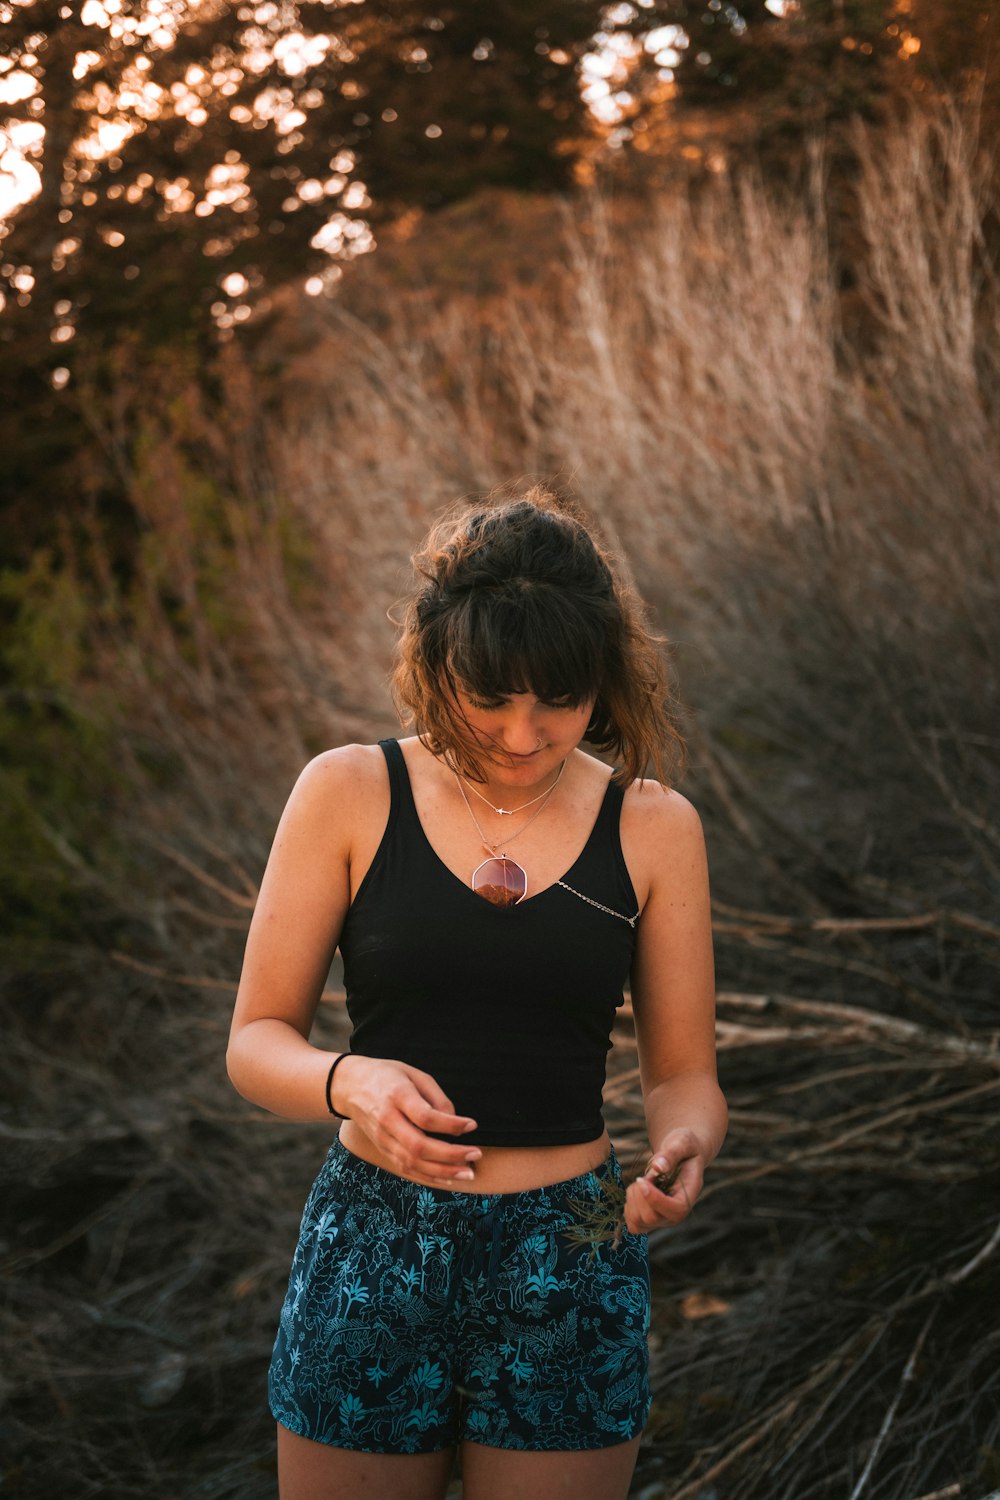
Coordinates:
column 681, row 1159
column 397, row 1106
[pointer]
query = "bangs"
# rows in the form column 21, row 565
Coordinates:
column 529, row 639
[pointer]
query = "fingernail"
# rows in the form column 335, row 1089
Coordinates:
column 645, row 1186
column 466, row 1175
column 469, row 1125
column 473, row 1155
column 659, row 1162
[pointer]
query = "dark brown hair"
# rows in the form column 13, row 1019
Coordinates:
column 518, row 595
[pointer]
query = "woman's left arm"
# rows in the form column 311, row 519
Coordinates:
column 673, row 1001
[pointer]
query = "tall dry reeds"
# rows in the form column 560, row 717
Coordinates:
column 797, row 448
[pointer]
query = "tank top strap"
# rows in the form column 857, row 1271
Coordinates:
column 606, row 833
column 402, row 807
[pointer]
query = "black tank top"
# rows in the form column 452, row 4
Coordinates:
column 509, row 1009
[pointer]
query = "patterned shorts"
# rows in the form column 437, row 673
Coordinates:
column 418, row 1317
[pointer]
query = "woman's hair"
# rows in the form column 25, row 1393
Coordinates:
column 519, row 596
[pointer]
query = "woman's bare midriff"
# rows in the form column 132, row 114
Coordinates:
column 501, row 1169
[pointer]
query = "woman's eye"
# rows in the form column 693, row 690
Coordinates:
column 491, row 705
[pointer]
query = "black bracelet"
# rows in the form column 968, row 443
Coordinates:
column 329, row 1084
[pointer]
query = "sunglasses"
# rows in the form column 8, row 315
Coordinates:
column 501, row 881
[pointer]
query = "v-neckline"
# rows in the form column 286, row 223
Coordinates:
column 480, row 902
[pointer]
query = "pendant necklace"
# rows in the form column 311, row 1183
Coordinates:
column 508, row 812
column 502, row 881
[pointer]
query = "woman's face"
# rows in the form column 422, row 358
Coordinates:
column 522, row 737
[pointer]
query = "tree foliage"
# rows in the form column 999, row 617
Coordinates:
column 185, row 150
column 193, row 159
column 780, row 70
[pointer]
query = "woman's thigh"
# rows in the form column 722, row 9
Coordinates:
column 596, row 1474
column 319, row 1471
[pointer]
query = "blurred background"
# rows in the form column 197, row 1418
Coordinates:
column 279, row 281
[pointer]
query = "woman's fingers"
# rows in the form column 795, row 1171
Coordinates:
column 428, row 1088
column 646, row 1208
column 430, row 1110
column 412, row 1151
column 403, row 1109
column 373, row 1088
column 664, row 1196
column 435, row 1121
column 422, row 1158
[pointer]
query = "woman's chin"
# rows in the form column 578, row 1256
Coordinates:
column 523, row 770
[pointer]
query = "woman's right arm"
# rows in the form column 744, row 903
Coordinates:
column 304, row 897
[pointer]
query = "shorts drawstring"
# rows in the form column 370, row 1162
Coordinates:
column 485, row 1240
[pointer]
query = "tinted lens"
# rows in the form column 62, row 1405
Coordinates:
column 501, row 881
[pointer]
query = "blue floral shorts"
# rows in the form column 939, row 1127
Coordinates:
column 417, row 1318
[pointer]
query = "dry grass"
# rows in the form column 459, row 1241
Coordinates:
column 812, row 513
column 818, row 1329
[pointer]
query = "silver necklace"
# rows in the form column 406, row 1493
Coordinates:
column 508, row 812
column 591, row 902
column 508, row 839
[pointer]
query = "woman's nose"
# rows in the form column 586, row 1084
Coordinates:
column 521, row 734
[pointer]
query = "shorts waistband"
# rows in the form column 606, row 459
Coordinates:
column 444, row 1211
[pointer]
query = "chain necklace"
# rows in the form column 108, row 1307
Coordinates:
column 508, row 812
column 492, row 848
column 600, row 907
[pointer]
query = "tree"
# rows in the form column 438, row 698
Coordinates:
column 780, row 70
column 195, row 158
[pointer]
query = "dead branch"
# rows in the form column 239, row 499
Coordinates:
column 909, row 1372
column 246, row 900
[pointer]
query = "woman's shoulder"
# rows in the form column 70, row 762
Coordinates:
column 663, row 843
column 340, row 777
column 654, row 813
column 342, row 763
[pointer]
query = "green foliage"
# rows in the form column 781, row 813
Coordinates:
column 85, row 644
column 45, row 649
column 56, row 754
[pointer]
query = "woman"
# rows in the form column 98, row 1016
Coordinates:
column 460, row 1279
